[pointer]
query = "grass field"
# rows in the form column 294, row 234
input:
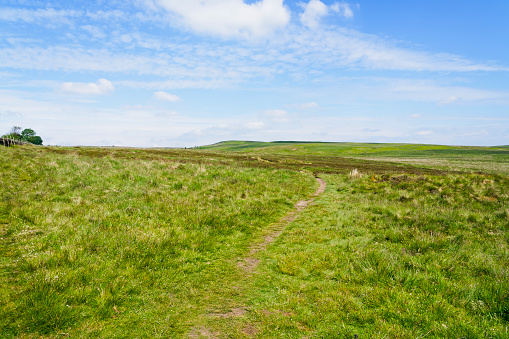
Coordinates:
column 99, row 245
column 391, row 257
column 145, row 243
column 466, row 158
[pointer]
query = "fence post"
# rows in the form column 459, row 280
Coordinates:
column 8, row 142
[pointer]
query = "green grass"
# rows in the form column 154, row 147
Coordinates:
column 467, row 158
column 394, row 256
column 144, row 243
column 97, row 245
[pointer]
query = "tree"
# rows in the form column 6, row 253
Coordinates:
column 27, row 134
column 14, row 133
column 36, row 140
column 15, row 130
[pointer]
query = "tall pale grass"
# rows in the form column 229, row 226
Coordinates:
column 355, row 174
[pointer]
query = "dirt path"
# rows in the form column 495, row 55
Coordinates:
column 250, row 263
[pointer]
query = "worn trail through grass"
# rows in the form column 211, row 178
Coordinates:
column 249, row 264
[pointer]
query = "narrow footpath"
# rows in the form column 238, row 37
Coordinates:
column 250, row 263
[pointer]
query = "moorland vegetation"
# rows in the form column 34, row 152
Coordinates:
column 146, row 243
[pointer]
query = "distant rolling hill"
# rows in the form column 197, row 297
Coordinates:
column 492, row 159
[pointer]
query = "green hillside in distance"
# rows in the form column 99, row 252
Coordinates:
column 352, row 148
column 493, row 159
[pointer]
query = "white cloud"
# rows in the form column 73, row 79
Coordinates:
column 161, row 95
column 146, row 126
column 201, row 66
column 254, row 125
column 425, row 132
column 50, row 16
column 108, row 15
column 44, row 16
column 343, row 9
column 370, row 130
column 229, row 18
column 102, row 86
column 94, row 31
column 277, row 115
column 313, row 12
column 175, row 84
column 207, row 65
column 450, row 100
column 308, row 105
column 304, row 106
column 426, row 90
column 25, row 41
column 417, row 90
column 348, row 48
column 125, row 38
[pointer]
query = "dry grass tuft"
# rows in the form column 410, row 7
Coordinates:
column 355, row 174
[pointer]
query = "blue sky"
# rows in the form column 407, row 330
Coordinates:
column 154, row 73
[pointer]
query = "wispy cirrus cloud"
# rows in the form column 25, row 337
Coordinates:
column 40, row 15
column 425, row 90
column 307, row 105
column 94, row 31
column 349, row 49
column 49, row 15
column 319, row 51
column 186, row 63
column 161, row 95
column 356, row 90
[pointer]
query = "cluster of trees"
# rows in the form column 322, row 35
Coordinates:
column 27, row 135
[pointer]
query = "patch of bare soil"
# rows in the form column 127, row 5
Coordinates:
column 250, row 330
column 248, row 264
column 202, row 332
column 277, row 312
column 236, row 312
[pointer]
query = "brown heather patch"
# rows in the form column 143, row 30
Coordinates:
column 312, row 163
